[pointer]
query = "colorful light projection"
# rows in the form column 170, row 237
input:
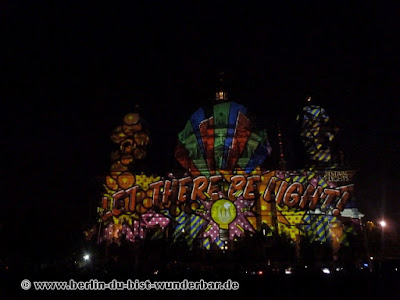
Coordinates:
column 306, row 203
column 222, row 142
column 316, row 134
column 118, row 214
column 132, row 139
column 226, row 195
column 226, row 207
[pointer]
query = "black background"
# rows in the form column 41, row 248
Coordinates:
column 71, row 71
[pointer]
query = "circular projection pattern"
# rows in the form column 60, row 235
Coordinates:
column 126, row 180
column 132, row 118
column 118, row 135
column 127, row 146
column 111, row 183
column 223, row 212
column 141, row 138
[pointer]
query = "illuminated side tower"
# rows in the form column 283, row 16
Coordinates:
column 317, row 134
column 126, row 199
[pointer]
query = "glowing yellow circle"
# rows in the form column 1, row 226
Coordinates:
column 223, row 212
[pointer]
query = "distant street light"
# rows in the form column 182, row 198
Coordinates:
column 383, row 225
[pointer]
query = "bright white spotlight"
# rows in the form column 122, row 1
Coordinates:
column 326, row 271
column 86, row 257
column 383, row 223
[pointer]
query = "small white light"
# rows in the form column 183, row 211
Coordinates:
column 86, row 257
column 326, row 271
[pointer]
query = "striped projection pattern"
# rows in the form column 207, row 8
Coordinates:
column 315, row 133
column 221, row 142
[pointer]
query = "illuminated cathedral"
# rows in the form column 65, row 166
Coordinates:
column 224, row 193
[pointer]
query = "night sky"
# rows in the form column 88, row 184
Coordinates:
column 72, row 71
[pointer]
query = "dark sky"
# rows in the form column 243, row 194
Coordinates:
column 72, row 71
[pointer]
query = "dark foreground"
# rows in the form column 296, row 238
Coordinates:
column 255, row 281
